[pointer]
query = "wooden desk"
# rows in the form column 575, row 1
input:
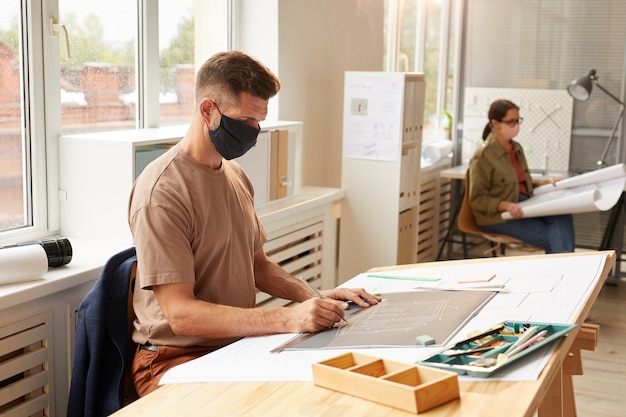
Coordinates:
column 550, row 395
column 458, row 173
column 454, row 173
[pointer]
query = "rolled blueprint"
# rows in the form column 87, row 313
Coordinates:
column 588, row 178
column 437, row 150
column 582, row 199
column 22, row 263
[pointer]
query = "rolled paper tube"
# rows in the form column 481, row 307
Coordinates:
column 438, row 150
column 22, row 263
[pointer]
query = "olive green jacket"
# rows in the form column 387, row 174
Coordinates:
column 492, row 179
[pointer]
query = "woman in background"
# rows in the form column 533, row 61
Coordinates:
column 500, row 179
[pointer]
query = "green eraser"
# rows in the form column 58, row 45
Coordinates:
column 424, row 340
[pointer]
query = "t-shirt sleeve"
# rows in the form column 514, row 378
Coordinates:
column 163, row 250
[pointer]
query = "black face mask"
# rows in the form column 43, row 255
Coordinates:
column 233, row 138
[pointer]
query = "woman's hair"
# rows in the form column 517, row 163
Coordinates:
column 228, row 74
column 497, row 111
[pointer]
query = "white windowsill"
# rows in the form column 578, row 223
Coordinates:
column 88, row 257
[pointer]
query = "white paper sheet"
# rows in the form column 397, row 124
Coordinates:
column 547, row 289
column 372, row 117
column 593, row 177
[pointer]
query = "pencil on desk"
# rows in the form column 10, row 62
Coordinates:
column 535, row 339
column 528, row 333
column 316, row 292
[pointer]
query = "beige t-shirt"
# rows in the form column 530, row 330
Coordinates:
column 192, row 224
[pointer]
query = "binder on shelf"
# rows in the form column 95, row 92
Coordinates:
column 406, row 237
column 279, row 163
column 404, row 178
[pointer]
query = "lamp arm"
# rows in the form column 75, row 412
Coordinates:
column 608, row 142
column 609, row 93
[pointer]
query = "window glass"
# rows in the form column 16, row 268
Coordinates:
column 432, row 71
column 408, row 35
column 98, row 88
column 176, row 44
column 451, row 68
column 14, row 203
column 419, row 50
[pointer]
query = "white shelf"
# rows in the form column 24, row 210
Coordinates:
column 379, row 216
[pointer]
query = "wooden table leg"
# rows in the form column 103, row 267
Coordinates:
column 560, row 400
column 552, row 404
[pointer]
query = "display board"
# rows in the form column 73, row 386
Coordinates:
column 545, row 133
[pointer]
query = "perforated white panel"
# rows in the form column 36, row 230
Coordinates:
column 545, row 133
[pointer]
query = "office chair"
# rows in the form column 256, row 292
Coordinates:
column 466, row 222
column 103, row 351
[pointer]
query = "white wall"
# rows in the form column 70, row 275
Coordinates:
column 310, row 46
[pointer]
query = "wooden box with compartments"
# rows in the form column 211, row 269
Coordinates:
column 396, row 384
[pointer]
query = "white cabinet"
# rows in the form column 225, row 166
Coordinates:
column 383, row 116
column 98, row 170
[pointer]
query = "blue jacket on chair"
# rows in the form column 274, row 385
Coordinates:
column 100, row 351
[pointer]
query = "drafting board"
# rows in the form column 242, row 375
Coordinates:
column 545, row 133
column 546, row 288
column 402, row 317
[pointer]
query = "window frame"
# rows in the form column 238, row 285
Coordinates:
column 38, row 155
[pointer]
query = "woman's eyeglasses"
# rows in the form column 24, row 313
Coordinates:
column 513, row 122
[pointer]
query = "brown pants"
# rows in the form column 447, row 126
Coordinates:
column 148, row 366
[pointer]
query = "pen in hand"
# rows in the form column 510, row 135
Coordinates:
column 316, row 292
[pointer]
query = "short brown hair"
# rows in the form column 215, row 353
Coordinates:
column 227, row 74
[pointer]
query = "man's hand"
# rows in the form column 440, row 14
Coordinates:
column 314, row 315
column 357, row 295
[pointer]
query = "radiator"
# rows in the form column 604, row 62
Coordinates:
column 24, row 366
column 298, row 249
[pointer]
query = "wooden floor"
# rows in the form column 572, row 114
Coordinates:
column 601, row 390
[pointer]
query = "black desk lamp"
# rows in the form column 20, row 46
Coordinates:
column 580, row 89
